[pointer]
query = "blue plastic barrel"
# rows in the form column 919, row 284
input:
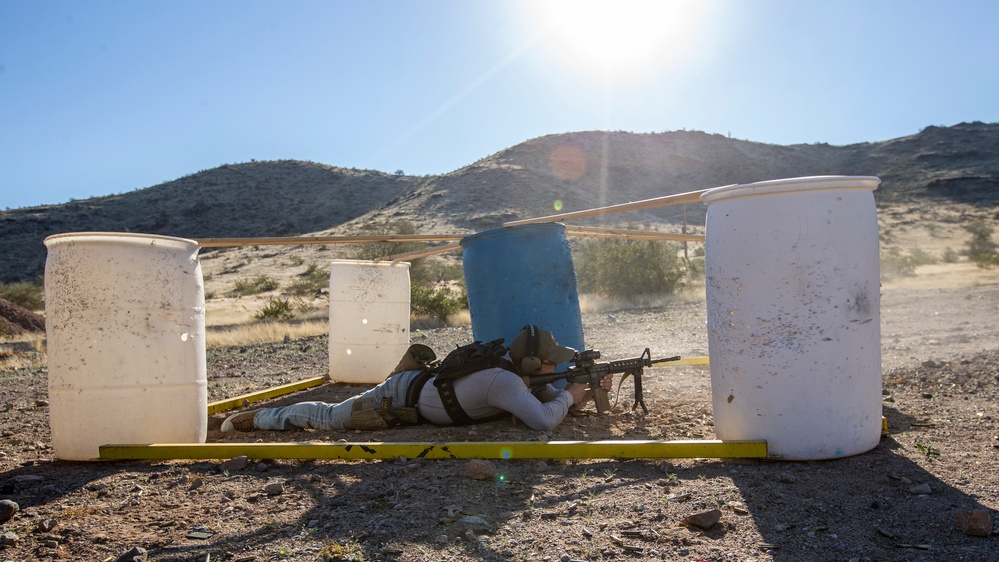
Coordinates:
column 522, row 275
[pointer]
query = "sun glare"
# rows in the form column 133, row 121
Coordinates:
column 621, row 39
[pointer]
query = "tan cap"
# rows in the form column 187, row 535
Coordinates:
column 537, row 342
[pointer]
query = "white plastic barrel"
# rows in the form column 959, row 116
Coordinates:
column 369, row 319
column 125, row 322
column 793, row 303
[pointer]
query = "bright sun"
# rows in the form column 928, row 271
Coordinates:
column 618, row 39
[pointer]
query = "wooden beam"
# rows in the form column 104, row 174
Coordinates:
column 229, row 404
column 506, row 450
column 417, row 254
column 676, row 199
column 296, row 240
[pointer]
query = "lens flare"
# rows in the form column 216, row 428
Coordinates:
column 558, row 205
column 506, row 453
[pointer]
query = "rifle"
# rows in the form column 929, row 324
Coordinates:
column 587, row 370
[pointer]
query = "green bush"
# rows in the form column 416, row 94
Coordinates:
column 896, row 264
column 436, row 302
column 981, row 248
column 629, row 268
column 24, row 294
column 276, row 309
column 311, row 282
column 255, row 286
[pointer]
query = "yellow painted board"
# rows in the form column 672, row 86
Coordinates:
column 452, row 450
column 229, row 404
column 684, row 361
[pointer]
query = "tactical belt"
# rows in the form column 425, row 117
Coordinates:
column 415, row 386
column 450, row 401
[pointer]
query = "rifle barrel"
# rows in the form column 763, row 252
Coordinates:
column 665, row 359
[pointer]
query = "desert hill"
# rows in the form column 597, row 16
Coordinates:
column 582, row 170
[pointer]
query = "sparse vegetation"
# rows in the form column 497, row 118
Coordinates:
column 276, row 309
column 24, row 294
column 895, row 263
column 436, row 302
column 311, row 282
column 981, row 248
column 254, row 286
column 629, row 268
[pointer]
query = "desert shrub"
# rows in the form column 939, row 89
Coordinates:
column 24, row 294
column 950, row 256
column 255, row 286
column 276, row 309
column 896, row 264
column 695, row 268
column 436, row 302
column 921, row 257
column 627, row 268
column 981, row 248
column 311, row 282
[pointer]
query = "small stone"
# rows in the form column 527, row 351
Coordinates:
column 235, row 464
column 975, row 522
column 477, row 524
column 46, row 525
column 667, row 467
column 137, row 554
column 41, row 403
column 921, row 489
column 704, row 520
column 479, row 469
column 51, row 544
column 441, row 539
column 7, row 510
column 274, row 489
column 195, row 484
column 9, row 538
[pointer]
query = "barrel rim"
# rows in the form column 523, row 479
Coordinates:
column 786, row 185
column 126, row 237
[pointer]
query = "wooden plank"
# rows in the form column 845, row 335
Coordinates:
column 231, row 403
column 506, row 450
column 417, row 254
column 676, row 199
column 296, row 240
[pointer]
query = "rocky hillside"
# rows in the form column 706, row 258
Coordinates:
column 581, row 170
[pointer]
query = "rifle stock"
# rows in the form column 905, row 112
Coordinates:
column 587, row 370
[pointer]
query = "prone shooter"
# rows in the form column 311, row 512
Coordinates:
column 587, row 370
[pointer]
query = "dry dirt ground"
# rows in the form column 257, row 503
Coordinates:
column 898, row 501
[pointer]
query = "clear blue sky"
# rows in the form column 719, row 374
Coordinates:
column 101, row 97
